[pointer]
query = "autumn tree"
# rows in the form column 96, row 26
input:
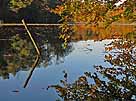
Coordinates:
column 96, row 11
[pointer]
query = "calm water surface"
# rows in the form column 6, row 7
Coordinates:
column 78, row 58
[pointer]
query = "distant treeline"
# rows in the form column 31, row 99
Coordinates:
column 34, row 13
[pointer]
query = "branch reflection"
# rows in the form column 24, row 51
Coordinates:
column 119, row 80
column 31, row 72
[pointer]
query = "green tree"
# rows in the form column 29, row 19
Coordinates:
column 15, row 5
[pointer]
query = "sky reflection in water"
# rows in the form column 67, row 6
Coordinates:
column 85, row 55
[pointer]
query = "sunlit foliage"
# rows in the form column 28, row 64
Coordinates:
column 15, row 5
column 95, row 11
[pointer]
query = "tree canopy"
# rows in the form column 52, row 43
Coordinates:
column 95, row 11
column 85, row 11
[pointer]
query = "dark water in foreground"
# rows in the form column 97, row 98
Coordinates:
column 117, row 55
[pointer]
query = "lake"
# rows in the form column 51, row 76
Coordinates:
column 94, row 63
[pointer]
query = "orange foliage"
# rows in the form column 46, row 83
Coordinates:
column 58, row 10
column 100, row 33
column 116, row 12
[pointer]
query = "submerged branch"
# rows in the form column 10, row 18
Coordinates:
column 37, row 58
column 30, row 35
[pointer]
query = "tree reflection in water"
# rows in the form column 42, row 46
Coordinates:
column 19, row 54
column 120, row 54
column 121, row 77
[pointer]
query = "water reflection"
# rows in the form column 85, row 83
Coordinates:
column 112, row 77
column 31, row 72
column 120, row 80
column 19, row 54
